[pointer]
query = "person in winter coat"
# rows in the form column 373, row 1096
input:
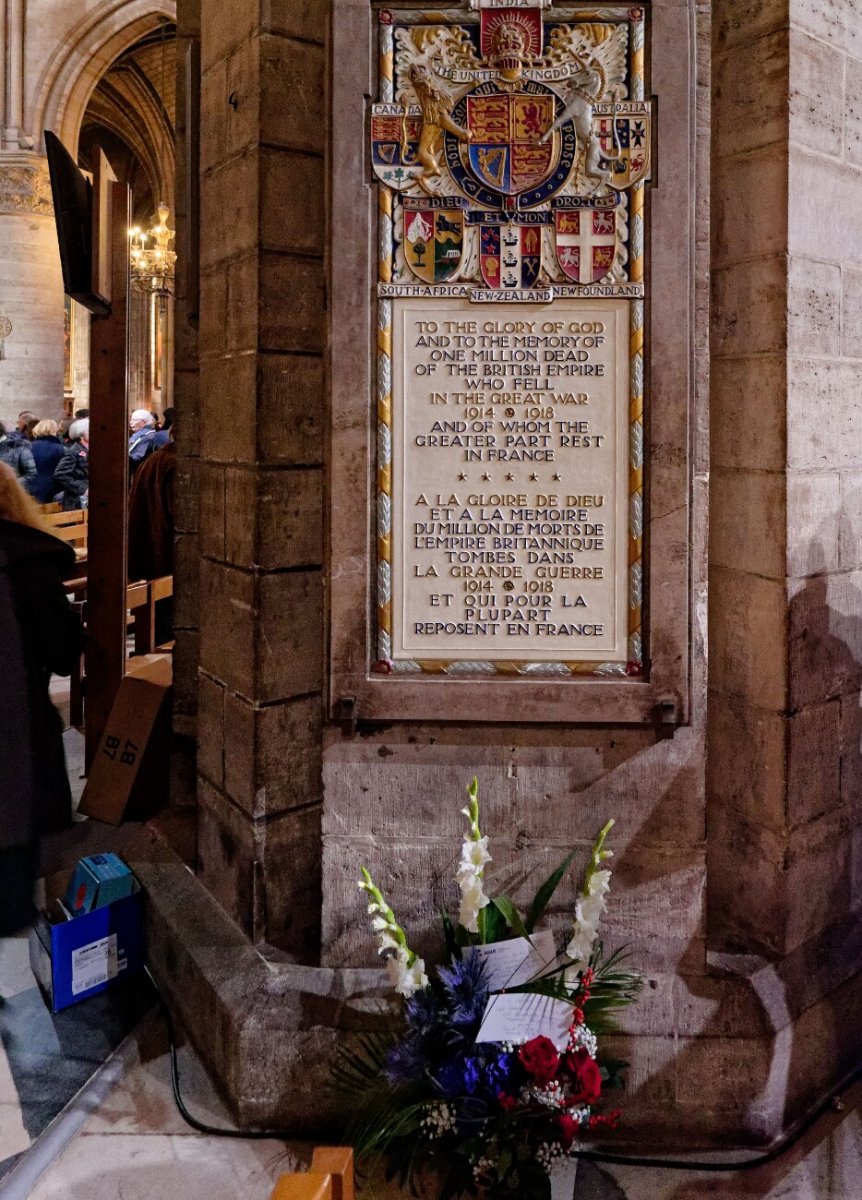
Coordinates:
column 41, row 636
column 72, row 472
column 47, row 450
column 142, row 438
column 16, row 454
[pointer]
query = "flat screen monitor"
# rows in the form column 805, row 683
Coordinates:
column 73, row 213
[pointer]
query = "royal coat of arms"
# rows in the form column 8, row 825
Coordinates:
column 510, row 139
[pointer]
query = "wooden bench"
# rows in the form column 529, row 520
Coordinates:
column 53, row 507
column 330, row 1177
column 71, row 527
column 141, row 600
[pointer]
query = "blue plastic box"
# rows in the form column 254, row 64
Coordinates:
column 97, row 880
column 78, row 958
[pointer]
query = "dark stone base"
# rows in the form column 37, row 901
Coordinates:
column 756, row 1043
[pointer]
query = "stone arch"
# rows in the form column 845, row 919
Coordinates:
column 89, row 49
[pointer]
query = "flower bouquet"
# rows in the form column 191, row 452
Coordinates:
column 491, row 1071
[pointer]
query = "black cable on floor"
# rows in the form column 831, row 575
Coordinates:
column 781, row 1147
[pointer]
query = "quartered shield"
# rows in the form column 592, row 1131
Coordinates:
column 586, row 242
column 505, row 151
column 510, row 256
column 394, row 145
column 433, row 241
column 624, row 132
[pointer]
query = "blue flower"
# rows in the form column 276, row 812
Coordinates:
column 459, row 1077
column 422, row 1011
column 498, row 1073
column 465, row 990
column 406, row 1061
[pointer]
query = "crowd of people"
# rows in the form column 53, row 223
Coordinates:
column 43, row 462
column 51, row 459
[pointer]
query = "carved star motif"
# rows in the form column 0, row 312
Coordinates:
column 534, row 477
column 510, row 477
column 486, row 477
column 462, row 477
column 557, row 477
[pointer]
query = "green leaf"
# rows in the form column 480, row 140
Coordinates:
column 505, row 906
column 492, row 924
column 545, row 892
column 453, row 947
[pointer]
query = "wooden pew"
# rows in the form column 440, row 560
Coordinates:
column 330, row 1177
column 71, row 527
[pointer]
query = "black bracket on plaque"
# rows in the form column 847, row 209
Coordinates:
column 346, row 715
column 666, row 718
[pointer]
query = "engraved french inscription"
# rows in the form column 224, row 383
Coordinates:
column 510, row 481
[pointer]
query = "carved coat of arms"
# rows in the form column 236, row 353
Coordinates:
column 510, row 137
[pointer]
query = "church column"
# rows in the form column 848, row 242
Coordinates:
column 786, row 530
column 260, row 468
column 31, row 368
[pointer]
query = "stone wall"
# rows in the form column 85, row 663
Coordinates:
column 393, row 794
column 786, row 546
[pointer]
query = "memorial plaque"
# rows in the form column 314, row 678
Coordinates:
column 510, row 481
column 511, row 144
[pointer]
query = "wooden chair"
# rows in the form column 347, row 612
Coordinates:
column 330, row 1177
column 145, row 618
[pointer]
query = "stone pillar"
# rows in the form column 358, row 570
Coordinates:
column 187, row 434
column 262, row 335
column 786, row 585
column 31, row 370
column 784, row 798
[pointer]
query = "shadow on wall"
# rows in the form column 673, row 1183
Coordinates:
column 764, row 1039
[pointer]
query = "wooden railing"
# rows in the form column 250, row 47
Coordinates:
column 330, row 1177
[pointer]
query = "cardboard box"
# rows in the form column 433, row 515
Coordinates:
column 78, row 958
column 130, row 773
column 97, row 880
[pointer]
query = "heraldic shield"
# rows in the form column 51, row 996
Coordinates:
column 623, row 131
column 505, row 152
column 510, row 256
column 433, row 241
column 394, row 145
column 586, row 241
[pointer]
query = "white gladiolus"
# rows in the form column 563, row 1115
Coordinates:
column 474, row 859
column 473, row 900
column 588, row 910
column 406, row 976
column 405, row 969
column 474, row 856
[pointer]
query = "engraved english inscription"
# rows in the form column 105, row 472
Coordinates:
column 510, row 431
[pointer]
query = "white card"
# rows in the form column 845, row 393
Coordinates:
column 517, row 961
column 521, row 1016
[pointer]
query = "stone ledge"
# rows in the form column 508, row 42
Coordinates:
column 270, row 1030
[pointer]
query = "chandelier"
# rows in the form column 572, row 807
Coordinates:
column 153, row 262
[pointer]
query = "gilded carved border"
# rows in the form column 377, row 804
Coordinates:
column 634, row 665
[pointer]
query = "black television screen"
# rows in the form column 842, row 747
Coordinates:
column 73, row 214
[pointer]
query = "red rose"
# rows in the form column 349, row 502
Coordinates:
column 539, row 1058
column 507, row 1103
column 586, row 1077
column 569, row 1128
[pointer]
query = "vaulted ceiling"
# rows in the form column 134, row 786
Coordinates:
column 131, row 116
